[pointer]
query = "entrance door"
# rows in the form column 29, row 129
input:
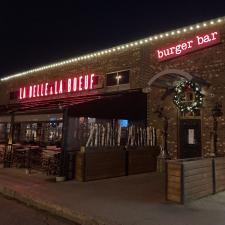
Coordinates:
column 190, row 138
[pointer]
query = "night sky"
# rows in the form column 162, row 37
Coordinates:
column 35, row 35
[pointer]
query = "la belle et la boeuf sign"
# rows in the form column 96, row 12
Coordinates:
column 184, row 47
column 69, row 85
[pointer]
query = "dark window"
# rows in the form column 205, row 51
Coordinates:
column 111, row 79
column 117, row 78
column 124, row 77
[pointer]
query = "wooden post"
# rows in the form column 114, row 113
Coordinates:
column 182, row 197
column 166, row 181
column 214, row 175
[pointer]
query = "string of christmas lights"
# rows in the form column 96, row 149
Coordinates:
column 117, row 48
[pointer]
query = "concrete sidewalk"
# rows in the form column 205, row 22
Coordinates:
column 132, row 200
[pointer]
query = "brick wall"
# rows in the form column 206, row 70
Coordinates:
column 208, row 63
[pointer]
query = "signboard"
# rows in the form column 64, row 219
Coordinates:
column 75, row 84
column 184, row 47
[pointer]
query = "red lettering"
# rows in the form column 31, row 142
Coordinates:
column 21, row 90
column 60, row 87
column 56, row 87
column 184, row 46
column 51, row 92
column 86, row 78
column 92, row 81
column 213, row 36
column 200, row 40
column 24, row 93
column 30, row 92
column 38, row 87
column 171, row 50
column 74, row 84
column 69, row 85
column 80, row 83
column 42, row 89
column 34, row 91
column 189, row 44
column 46, row 89
column 160, row 54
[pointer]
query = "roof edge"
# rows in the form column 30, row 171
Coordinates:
column 152, row 38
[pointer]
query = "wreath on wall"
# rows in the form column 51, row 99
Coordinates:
column 188, row 96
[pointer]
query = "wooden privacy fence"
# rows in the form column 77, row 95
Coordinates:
column 191, row 179
column 109, row 162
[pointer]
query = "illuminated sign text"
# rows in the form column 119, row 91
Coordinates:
column 198, row 42
column 75, row 84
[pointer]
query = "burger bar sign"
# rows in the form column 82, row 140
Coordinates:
column 75, row 84
column 184, row 47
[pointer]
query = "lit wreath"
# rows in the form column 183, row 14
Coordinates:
column 179, row 98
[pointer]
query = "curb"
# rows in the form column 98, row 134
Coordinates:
column 53, row 209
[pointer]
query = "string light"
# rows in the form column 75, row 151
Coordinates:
column 114, row 49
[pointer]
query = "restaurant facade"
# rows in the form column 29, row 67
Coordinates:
column 117, row 109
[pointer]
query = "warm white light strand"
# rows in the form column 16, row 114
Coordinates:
column 118, row 48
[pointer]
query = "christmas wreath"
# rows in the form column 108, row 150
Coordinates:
column 180, row 100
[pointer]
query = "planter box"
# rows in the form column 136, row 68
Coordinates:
column 219, row 168
column 188, row 179
column 95, row 164
column 142, row 160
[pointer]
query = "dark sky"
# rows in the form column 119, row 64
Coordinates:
column 34, row 35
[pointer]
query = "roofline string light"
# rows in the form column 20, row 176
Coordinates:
column 119, row 47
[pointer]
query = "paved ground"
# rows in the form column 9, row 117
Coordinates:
column 14, row 213
column 132, row 200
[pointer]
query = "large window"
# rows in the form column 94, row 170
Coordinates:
column 117, row 78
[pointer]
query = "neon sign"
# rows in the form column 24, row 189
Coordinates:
column 182, row 48
column 75, row 84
